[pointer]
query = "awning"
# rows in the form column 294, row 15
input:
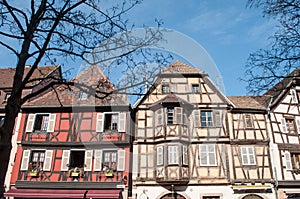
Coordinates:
column 59, row 193
column 103, row 194
column 44, row 193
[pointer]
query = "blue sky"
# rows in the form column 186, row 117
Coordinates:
column 227, row 30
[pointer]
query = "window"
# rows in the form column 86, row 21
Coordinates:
column 41, row 159
column 165, row 89
column 248, row 121
column 173, row 155
column 111, row 122
column 206, row 119
column 170, row 115
column 195, row 88
column 207, row 155
column 293, row 96
column 83, row 95
column 76, row 159
column 248, row 156
column 37, row 159
column 110, row 160
column 290, row 125
column 40, row 123
column 295, row 158
column 210, row 197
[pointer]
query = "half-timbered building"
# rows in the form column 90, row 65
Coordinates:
column 74, row 142
column 40, row 78
column 181, row 143
column 249, row 156
column 285, row 130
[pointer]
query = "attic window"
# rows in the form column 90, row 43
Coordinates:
column 195, row 88
column 165, row 89
column 83, row 95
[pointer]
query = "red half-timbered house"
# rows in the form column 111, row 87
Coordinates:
column 72, row 144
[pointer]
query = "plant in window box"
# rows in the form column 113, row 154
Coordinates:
column 76, row 172
column 34, row 172
column 108, row 172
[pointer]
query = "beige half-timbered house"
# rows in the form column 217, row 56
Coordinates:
column 182, row 143
column 249, row 156
column 285, row 130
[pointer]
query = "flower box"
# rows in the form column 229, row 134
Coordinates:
column 34, row 172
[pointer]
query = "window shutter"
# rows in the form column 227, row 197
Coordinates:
column 203, row 155
column 30, row 122
column 48, row 160
column 283, row 125
column 218, row 118
column 244, row 156
column 197, row 118
column 98, row 160
column 51, row 124
column 88, row 158
column 121, row 160
column 65, row 160
column 288, row 161
column 251, row 156
column 159, row 155
column 99, row 122
column 122, row 122
column 298, row 124
column 25, row 160
column 159, row 119
column 178, row 115
column 211, row 149
column 184, row 155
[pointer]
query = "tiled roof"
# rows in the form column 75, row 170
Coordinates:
column 179, row 67
column 250, row 102
column 278, row 89
column 7, row 75
column 70, row 96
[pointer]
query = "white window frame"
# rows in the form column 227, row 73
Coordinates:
column 248, row 154
column 173, row 154
column 248, row 118
column 207, row 152
column 121, row 123
column 207, row 121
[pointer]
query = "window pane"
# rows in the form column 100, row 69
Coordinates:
column 170, row 115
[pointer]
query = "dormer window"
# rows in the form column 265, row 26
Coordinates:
column 165, row 89
column 83, row 95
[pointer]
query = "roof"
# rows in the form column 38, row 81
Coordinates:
column 7, row 75
column 283, row 84
column 179, row 67
column 89, row 80
column 249, row 102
